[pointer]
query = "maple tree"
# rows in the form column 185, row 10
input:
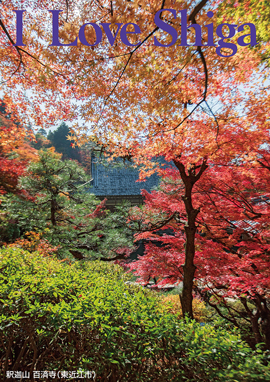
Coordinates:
column 186, row 103
column 251, row 11
column 15, row 153
column 106, row 71
column 231, row 241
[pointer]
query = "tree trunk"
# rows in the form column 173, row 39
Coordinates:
column 266, row 330
column 265, row 320
column 53, row 211
column 189, row 271
column 190, row 230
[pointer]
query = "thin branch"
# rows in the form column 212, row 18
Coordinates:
column 199, row 50
column 196, row 10
column 67, row 10
column 12, row 42
column 126, row 65
column 19, row 50
column 159, row 224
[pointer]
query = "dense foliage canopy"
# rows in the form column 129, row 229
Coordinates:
column 207, row 113
column 85, row 317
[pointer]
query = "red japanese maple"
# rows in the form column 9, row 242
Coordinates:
column 15, row 153
column 232, row 241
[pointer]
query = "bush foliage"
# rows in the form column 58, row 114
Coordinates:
column 200, row 310
column 57, row 316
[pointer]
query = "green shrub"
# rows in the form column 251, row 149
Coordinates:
column 56, row 316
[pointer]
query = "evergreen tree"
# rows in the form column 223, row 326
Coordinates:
column 62, row 145
column 69, row 217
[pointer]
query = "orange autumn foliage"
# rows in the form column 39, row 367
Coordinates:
column 15, row 153
column 34, row 243
column 185, row 103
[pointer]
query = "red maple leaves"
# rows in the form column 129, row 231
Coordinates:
column 232, row 246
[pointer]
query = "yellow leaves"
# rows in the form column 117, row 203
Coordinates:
column 64, row 195
column 172, row 303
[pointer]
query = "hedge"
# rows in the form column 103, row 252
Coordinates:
column 84, row 317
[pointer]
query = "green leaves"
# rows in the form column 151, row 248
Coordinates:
column 66, row 213
column 84, row 316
